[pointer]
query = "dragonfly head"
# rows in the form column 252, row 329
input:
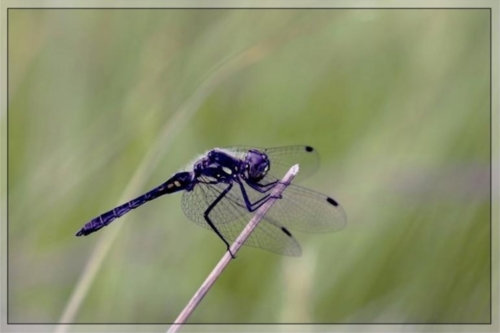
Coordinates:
column 257, row 165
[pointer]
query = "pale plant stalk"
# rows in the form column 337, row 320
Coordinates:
column 235, row 247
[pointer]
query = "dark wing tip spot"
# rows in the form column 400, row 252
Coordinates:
column 309, row 149
column 333, row 202
column 285, row 230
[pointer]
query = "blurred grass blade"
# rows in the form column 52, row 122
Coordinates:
column 181, row 117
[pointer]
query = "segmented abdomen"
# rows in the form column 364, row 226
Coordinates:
column 108, row 217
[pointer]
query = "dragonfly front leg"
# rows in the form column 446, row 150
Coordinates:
column 262, row 188
column 255, row 205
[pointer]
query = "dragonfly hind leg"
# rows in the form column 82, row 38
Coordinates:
column 210, row 223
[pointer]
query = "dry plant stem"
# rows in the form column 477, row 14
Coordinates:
column 235, row 247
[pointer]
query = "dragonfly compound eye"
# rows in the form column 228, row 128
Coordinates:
column 257, row 164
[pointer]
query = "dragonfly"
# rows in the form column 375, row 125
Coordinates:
column 225, row 186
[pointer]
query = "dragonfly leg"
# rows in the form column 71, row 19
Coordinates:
column 210, row 223
column 262, row 188
column 265, row 188
column 252, row 206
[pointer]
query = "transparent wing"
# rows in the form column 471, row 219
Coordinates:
column 283, row 158
column 299, row 209
column 306, row 210
column 230, row 216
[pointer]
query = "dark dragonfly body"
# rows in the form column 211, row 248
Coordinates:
column 226, row 185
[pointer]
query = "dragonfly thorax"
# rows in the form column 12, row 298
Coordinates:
column 256, row 164
column 218, row 166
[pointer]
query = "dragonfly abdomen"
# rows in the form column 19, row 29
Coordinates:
column 108, row 217
column 180, row 181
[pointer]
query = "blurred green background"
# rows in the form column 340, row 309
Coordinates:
column 106, row 104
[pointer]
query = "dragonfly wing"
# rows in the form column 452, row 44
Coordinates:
column 306, row 210
column 299, row 208
column 230, row 216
